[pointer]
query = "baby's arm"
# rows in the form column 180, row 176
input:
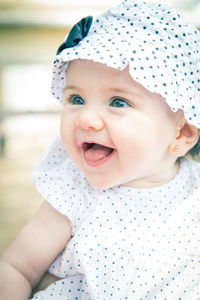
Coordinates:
column 26, row 260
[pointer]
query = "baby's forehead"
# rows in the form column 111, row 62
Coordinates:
column 117, row 80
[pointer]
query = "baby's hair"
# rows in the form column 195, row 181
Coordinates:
column 195, row 151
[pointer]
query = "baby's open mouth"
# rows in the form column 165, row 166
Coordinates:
column 96, row 152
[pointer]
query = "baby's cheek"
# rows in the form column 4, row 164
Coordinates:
column 132, row 153
column 138, row 150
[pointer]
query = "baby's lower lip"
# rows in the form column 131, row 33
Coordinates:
column 100, row 162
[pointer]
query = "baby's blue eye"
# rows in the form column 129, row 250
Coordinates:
column 77, row 100
column 117, row 102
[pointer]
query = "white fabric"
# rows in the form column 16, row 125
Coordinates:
column 127, row 243
column 159, row 45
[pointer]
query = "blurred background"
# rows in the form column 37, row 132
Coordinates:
column 30, row 33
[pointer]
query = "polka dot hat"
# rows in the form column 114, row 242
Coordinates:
column 159, row 45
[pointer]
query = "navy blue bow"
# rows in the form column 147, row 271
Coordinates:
column 77, row 33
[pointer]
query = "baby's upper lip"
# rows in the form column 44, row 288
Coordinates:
column 84, row 142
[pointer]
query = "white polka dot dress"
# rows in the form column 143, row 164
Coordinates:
column 127, row 243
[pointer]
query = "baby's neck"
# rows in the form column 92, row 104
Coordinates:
column 159, row 179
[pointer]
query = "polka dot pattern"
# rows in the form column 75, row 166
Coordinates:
column 127, row 243
column 159, row 45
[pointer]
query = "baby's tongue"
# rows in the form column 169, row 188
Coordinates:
column 97, row 152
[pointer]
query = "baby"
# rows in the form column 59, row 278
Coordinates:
column 120, row 219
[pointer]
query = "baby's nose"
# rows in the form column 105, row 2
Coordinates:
column 90, row 120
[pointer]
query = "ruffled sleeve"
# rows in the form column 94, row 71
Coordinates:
column 58, row 180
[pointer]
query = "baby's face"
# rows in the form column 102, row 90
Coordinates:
column 115, row 130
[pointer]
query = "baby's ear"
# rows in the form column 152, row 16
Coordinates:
column 186, row 137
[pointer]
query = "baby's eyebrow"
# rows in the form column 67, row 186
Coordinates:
column 134, row 91
column 119, row 90
column 71, row 87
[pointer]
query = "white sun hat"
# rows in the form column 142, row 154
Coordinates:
column 159, row 45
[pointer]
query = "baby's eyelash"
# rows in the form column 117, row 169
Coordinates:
column 120, row 102
column 116, row 102
column 74, row 100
